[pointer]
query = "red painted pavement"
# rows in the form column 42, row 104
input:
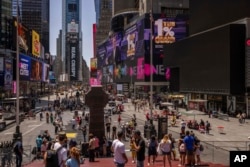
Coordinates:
column 108, row 162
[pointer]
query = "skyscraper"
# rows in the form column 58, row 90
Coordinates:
column 71, row 39
column 35, row 15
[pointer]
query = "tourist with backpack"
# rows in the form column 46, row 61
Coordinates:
column 182, row 152
column 152, row 145
column 57, row 156
column 18, row 150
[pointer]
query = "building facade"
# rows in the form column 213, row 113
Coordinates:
column 71, row 39
column 211, row 65
column 35, row 15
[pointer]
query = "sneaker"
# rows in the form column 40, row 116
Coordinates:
column 133, row 162
column 179, row 165
column 148, row 164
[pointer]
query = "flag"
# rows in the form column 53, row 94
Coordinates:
column 21, row 30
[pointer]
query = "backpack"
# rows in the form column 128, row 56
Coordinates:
column 16, row 149
column 201, row 147
column 152, row 145
column 52, row 158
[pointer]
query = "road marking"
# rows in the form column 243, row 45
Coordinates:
column 33, row 129
column 33, row 125
column 8, row 133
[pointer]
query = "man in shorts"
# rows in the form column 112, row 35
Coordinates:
column 189, row 145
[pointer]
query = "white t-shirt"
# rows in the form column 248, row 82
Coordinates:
column 119, row 149
column 165, row 147
column 62, row 154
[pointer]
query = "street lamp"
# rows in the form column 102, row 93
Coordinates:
column 151, row 60
column 17, row 134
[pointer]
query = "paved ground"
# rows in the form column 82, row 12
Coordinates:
column 234, row 137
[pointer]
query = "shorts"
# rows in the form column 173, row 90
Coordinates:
column 166, row 153
column 190, row 152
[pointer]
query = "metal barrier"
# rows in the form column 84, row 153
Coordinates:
column 218, row 151
column 7, row 156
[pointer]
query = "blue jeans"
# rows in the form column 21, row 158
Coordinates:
column 119, row 164
column 139, row 163
column 19, row 160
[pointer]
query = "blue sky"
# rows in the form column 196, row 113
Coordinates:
column 88, row 19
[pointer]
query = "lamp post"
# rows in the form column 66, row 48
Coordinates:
column 17, row 134
column 151, row 60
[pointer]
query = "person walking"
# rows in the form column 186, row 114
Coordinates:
column 152, row 146
column 165, row 146
column 118, row 148
column 18, row 150
column 91, row 148
column 59, row 147
column 139, row 145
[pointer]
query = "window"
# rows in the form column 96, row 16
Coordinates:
column 72, row 7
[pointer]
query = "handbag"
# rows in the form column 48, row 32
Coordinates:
column 159, row 151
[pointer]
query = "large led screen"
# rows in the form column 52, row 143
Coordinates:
column 25, row 67
column 36, row 70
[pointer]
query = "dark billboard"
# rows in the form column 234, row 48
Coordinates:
column 25, row 67
column 73, row 61
column 101, row 56
column 36, row 70
column 8, row 74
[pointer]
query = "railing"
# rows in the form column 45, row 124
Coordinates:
column 8, row 159
column 218, row 152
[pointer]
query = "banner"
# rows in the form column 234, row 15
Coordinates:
column 35, row 44
column 45, row 72
column 8, row 75
column 1, row 71
column 25, row 67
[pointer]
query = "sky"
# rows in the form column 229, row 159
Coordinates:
column 88, row 19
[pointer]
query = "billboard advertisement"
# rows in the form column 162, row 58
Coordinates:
column 25, row 67
column 36, row 70
column 132, row 44
column 113, row 48
column 73, row 61
column 72, row 27
column 107, row 74
column 45, row 72
column 93, row 67
column 101, row 56
column 8, row 75
column 1, row 71
column 35, row 44
column 23, row 37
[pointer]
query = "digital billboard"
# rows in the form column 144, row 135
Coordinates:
column 8, row 75
column 36, row 70
column 73, row 61
column 35, row 44
column 133, row 40
column 107, row 74
column 25, row 67
column 45, row 72
column 101, row 56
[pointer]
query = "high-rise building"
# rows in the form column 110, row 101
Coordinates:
column 35, row 15
column 71, row 39
column 5, row 13
column 103, row 10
